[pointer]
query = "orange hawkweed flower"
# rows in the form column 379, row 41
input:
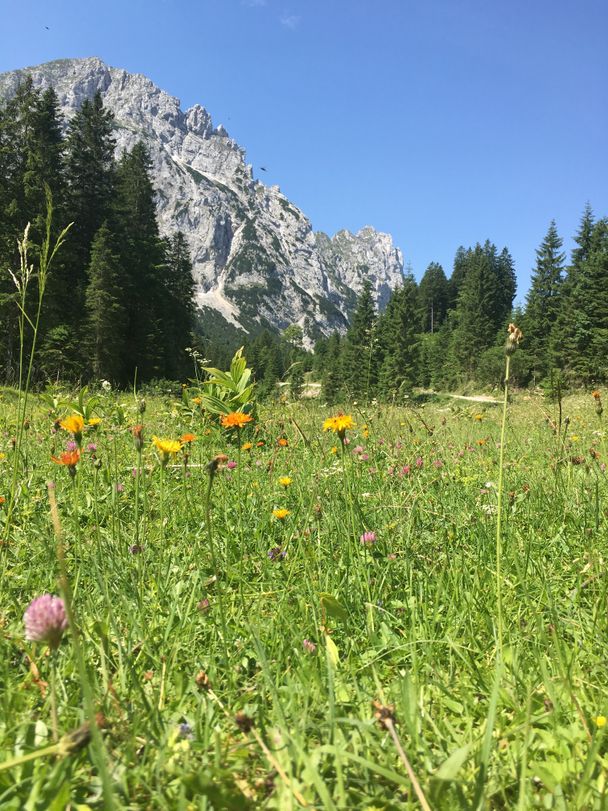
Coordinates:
column 596, row 394
column 282, row 442
column 235, row 420
column 187, row 438
column 68, row 458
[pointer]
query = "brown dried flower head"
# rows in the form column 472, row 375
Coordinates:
column 383, row 713
column 243, row 722
column 514, row 336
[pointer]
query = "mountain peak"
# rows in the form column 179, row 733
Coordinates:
column 256, row 259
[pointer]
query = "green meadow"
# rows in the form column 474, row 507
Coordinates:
column 315, row 620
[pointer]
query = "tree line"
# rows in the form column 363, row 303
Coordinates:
column 119, row 299
column 444, row 332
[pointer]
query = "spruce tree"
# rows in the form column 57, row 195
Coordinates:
column 544, row 300
column 178, row 307
column 105, row 306
column 142, row 257
column 434, row 297
column 332, row 380
column 580, row 340
column 90, row 177
column 359, row 366
column 398, row 328
column 484, row 302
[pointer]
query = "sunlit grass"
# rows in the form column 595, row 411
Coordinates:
column 235, row 660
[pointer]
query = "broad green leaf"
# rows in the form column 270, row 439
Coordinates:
column 332, row 607
column 332, row 651
column 450, row 767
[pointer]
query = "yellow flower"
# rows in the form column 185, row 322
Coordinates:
column 574, row 438
column 167, row 446
column 285, row 481
column 94, row 422
column 281, row 514
column 334, row 449
column 339, row 424
column 235, row 420
column 74, row 424
column 2, row 456
column 247, row 446
column 600, row 721
column 197, row 400
column 478, row 417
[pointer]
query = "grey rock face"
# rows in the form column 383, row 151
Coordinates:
column 256, row 258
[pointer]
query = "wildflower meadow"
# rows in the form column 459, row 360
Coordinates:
column 296, row 606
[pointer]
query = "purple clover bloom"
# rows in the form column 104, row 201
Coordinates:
column 231, row 464
column 276, row 553
column 45, row 620
column 309, row 646
column 368, row 538
column 70, row 445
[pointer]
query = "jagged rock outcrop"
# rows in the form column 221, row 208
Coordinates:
column 256, row 258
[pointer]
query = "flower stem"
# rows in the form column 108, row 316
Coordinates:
column 499, row 510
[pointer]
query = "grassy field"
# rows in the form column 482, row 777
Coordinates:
column 233, row 651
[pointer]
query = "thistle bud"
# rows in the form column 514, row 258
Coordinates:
column 513, row 338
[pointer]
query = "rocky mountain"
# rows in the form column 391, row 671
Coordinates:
column 257, row 260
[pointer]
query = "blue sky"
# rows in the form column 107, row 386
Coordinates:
column 442, row 122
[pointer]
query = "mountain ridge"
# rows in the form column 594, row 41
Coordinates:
column 256, row 259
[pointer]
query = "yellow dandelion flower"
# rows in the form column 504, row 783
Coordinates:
column 334, row 449
column 94, row 422
column 281, row 514
column 74, row 424
column 285, row 481
column 339, row 424
column 600, row 721
column 478, row 417
column 197, row 400
column 2, row 456
column 167, row 446
column 247, row 446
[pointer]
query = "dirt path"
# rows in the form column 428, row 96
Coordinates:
column 476, row 398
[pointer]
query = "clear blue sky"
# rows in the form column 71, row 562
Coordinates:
column 443, row 122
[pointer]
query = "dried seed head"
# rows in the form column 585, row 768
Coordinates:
column 383, row 713
column 202, row 682
column 216, row 463
column 243, row 722
column 514, row 336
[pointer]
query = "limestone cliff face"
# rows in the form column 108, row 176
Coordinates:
column 256, row 258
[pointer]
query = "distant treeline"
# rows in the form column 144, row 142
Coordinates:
column 119, row 298
column 444, row 332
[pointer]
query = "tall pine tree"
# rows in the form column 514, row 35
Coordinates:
column 544, row 301
column 107, row 317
